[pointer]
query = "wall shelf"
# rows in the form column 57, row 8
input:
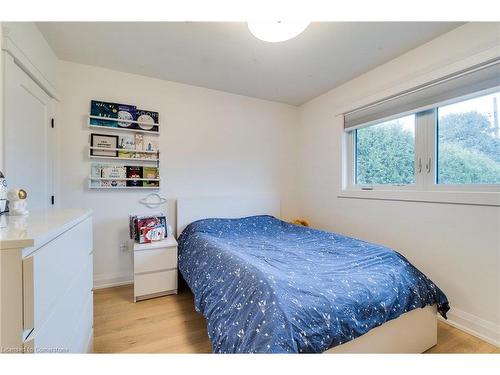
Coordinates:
column 123, row 158
column 149, row 160
column 91, row 186
column 125, row 121
column 123, row 179
column 156, row 159
column 122, row 128
column 124, row 187
column 95, row 181
column 123, row 149
column 110, row 128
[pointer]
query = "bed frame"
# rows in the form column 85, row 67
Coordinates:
column 412, row 332
column 229, row 207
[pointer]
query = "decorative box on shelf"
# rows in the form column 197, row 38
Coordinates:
column 155, row 269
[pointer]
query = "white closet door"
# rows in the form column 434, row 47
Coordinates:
column 28, row 137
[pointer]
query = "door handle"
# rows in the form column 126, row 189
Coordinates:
column 419, row 165
column 428, row 165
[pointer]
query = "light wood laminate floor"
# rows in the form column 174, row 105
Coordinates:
column 171, row 325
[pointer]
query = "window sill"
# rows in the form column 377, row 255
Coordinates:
column 445, row 197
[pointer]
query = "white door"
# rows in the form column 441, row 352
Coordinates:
column 28, row 138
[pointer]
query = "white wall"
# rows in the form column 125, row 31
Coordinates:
column 211, row 143
column 457, row 246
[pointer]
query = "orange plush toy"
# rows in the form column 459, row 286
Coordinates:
column 302, row 222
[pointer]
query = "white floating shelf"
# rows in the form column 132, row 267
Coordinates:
column 111, row 128
column 115, row 129
column 123, row 158
column 124, row 187
column 123, row 179
column 126, row 121
column 123, row 149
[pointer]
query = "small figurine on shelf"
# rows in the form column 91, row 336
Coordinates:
column 17, row 202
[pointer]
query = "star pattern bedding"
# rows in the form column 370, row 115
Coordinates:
column 267, row 286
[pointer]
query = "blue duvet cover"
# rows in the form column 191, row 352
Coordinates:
column 267, row 286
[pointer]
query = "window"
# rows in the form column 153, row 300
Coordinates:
column 385, row 153
column 453, row 149
column 468, row 142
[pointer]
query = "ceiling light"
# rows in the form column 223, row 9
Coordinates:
column 276, row 31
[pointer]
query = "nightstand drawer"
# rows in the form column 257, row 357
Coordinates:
column 155, row 259
column 156, row 282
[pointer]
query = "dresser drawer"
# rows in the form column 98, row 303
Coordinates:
column 156, row 282
column 62, row 327
column 52, row 270
column 155, row 260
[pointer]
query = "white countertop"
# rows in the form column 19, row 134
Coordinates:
column 38, row 228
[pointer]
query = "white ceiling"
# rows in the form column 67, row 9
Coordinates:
column 225, row 56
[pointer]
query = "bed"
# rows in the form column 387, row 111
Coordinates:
column 267, row 286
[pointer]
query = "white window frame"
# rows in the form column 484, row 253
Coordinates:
column 425, row 188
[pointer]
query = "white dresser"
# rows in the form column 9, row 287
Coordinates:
column 155, row 269
column 46, row 277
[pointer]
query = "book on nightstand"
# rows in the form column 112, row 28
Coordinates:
column 148, row 228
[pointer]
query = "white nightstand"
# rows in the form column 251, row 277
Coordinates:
column 155, row 269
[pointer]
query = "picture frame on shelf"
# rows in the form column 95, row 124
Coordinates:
column 104, row 141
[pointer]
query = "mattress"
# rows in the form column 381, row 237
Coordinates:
column 267, row 286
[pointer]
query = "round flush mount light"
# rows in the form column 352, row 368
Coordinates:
column 277, row 31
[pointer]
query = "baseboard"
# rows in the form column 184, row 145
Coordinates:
column 483, row 329
column 109, row 281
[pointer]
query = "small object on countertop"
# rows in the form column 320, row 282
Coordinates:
column 17, row 202
column 4, row 207
column 300, row 221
